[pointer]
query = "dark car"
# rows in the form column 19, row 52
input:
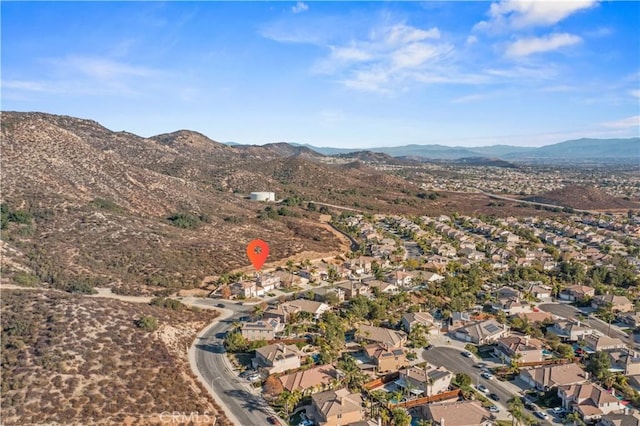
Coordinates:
column 220, row 305
column 428, row 346
column 494, row 396
column 273, row 420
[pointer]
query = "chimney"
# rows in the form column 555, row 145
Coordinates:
column 442, row 421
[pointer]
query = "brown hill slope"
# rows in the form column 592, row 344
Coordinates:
column 100, row 202
column 78, row 360
column 582, row 197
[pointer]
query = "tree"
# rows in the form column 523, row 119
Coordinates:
column 599, row 364
column 235, row 342
column 400, row 417
column 272, row 387
column 225, row 292
column 353, row 376
column 463, row 380
column 516, row 410
column 565, row 351
column 574, row 419
column 288, row 400
column 418, row 336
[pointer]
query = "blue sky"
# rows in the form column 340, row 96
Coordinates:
column 332, row 73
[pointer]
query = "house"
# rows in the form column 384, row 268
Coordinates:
column 481, row 332
column 540, row 292
column 569, row 330
column 458, row 413
column 402, row 278
column 268, row 281
column 589, row 400
column 277, row 358
column 630, row 319
column 625, row 361
column 619, row 419
column 617, row 303
column 381, row 286
column 522, row 349
column 596, row 341
column 414, row 318
column 265, row 329
column 577, row 293
column 551, row 376
column 507, row 292
column 511, row 306
column 315, row 309
column 327, row 294
column 352, row 289
column 540, row 317
column 337, row 408
column 386, row 336
column 360, row 265
column 310, row 381
column 386, row 358
column 430, row 277
column 427, row 381
column 244, row 289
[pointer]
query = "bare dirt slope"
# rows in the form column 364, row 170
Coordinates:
column 78, row 360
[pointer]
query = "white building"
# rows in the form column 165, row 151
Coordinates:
column 263, row 196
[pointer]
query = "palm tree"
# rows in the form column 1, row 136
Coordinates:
column 573, row 418
column 516, row 410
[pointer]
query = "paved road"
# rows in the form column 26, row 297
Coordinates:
column 452, row 359
column 570, row 312
column 248, row 408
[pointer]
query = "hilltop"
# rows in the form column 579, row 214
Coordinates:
column 582, row 197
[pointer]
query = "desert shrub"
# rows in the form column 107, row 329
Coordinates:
column 147, row 323
column 184, row 220
column 106, row 204
column 25, row 279
column 176, row 305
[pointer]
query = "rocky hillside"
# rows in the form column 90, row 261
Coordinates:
column 583, row 197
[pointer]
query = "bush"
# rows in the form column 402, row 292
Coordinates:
column 25, row 279
column 147, row 323
column 176, row 305
column 105, row 204
column 184, row 220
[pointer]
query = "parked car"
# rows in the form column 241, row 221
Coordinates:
column 466, row 354
column 487, row 375
column 558, row 410
column 494, row 409
column 428, row 346
column 220, row 305
column 483, row 389
column 273, row 420
column 481, row 365
column 494, row 396
column 541, row 414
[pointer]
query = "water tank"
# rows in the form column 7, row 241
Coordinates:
column 263, row 196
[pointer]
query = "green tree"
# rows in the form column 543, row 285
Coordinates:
column 574, row 419
column 400, row 417
column 235, row 342
column 463, row 380
column 516, row 410
column 599, row 364
column 565, row 351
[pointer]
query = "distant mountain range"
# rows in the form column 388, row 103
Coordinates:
column 573, row 151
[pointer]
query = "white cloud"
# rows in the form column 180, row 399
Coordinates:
column 522, row 14
column 625, row 123
column 531, row 45
column 635, row 93
column 300, row 7
column 470, row 98
column 471, row 40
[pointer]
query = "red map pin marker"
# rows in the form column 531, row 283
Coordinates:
column 257, row 252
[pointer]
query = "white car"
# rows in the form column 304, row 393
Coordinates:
column 483, row 389
column 494, row 409
column 542, row 414
column 487, row 375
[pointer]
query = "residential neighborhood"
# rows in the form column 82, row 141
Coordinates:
column 449, row 320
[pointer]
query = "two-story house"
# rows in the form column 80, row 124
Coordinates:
column 337, row 408
column 427, row 381
column 265, row 329
column 521, row 349
column 458, row 413
column 589, row 400
column 551, row 376
column 385, row 336
column 386, row 358
column 277, row 358
column 617, row 303
column 417, row 318
column 481, row 332
column 577, row 293
column 569, row 330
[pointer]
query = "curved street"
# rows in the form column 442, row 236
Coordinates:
column 243, row 405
